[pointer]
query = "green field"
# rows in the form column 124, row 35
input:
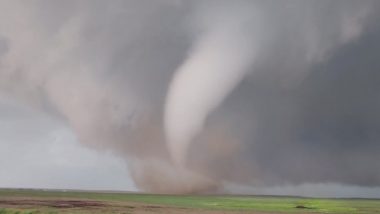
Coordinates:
column 34, row 201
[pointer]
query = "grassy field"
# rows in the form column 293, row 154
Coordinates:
column 34, row 201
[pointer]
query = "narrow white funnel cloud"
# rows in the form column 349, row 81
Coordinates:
column 218, row 62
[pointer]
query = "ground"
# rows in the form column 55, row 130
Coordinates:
column 39, row 201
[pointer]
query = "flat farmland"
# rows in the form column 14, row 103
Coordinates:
column 14, row 201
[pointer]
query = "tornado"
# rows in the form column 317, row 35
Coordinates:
column 205, row 96
column 217, row 63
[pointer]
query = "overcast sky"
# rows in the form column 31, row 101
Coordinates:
column 37, row 151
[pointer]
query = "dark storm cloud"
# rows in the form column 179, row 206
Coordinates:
column 296, row 98
column 323, row 129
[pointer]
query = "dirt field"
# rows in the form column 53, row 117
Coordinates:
column 85, row 206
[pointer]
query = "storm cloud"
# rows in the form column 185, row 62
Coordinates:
column 198, row 94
